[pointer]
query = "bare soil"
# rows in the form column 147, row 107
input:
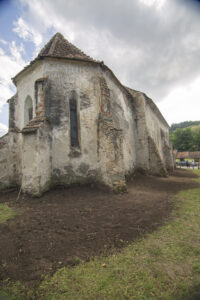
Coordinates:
column 65, row 226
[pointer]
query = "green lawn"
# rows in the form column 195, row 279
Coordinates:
column 162, row 265
column 6, row 213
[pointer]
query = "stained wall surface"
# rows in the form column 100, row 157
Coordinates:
column 119, row 129
column 105, row 122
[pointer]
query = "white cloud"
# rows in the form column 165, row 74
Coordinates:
column 28, row 33
column 3, row 129
column 2, row 52
column 11, row 63
column 182, row 103
column 152, row 45
column 157, row 3
column 3, row 42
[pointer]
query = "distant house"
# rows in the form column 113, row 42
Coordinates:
column 183, row 155
column 72, row 121
column 188, row 155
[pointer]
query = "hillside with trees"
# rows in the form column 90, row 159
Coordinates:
column 186, row 138
column 184, row 124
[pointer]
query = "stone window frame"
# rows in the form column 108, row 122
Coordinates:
column 37, row 82
column 75, row 149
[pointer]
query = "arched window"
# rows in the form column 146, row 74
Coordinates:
column 28, row 110
column 74, row 136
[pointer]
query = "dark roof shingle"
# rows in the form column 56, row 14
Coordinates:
column 59, row 47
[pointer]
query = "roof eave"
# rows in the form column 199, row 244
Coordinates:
column 24, row 69
column 41, row 57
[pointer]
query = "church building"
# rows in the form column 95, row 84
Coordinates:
column 72, row 121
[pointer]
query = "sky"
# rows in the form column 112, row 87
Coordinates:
column 151, row 45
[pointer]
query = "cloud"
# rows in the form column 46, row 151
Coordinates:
column 157, row 3
column 28, row 33
column 3, row 129
column 181, row 103
column 3, row 42
column 152, row 46
column 11, row 63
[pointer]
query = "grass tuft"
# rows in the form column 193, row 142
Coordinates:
column 6, row 213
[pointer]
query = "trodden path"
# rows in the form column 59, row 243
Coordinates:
column 66, row 225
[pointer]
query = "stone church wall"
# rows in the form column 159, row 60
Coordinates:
column 4, row 171
column 159, row 132
column 153, row 151
column 26, row 87
column 116, row 133
column 36, row 163
column 106, row 125
column 73, row 81
column 124, row 117
column 9, row 160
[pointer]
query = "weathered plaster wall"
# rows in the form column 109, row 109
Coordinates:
column 66, row 78
column 159, row 132
column 4, row 172
column 157, row 129
column 124, row 116
column 106, row 124
column 153, row 152
column 141, row 132
column 36, row 163
column 9, row 160
column 12, row 108
column 26, row 87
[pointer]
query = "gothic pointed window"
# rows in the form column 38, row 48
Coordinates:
column 74, row 136
column 28, row 110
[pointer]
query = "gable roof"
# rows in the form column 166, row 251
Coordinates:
column 59, row 47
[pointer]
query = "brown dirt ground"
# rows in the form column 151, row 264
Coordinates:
column 66, row 225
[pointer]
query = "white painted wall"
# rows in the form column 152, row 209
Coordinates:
column 26, row 87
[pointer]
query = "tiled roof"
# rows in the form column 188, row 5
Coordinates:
column 59, row 47
column 34, row 124
column 183, row 155
column 195, row 154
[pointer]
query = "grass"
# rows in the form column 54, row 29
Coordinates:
column 6, row 213
column 163, row 265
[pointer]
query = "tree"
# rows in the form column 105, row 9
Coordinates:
column 182, row 139
column 196, row 139
column 184, row 124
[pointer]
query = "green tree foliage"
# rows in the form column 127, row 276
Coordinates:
column 185, row 124
column 196, row 137
column 187, row 139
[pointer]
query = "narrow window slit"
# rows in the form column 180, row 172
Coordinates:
column 73, row 123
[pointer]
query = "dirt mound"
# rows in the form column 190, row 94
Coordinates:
column 66, row 225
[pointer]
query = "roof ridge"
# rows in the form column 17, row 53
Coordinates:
column 60, row 47
column 52, row 47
